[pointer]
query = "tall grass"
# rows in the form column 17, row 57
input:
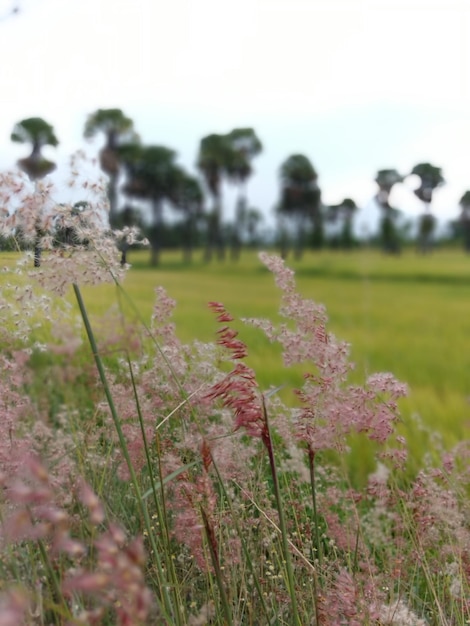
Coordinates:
column 407, row 315
column 182, row 490
column 153, row 477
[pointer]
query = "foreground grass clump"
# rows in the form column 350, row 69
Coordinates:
column 151, row 480
column 156, row 481
column 406, row 315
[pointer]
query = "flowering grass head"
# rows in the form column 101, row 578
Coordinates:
column 178, row 488
column 71, row 238
column 238, row 390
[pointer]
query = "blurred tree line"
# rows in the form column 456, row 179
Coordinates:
column 146, row 182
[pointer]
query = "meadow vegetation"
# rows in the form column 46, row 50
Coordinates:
column 163, row 461
column 406, row 315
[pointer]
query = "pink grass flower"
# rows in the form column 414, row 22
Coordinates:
column 223, row 314
column 14, row 607
column 92, row 502
column 193, row 502
column 238, row 390
column 117, row 579
column 331, row 409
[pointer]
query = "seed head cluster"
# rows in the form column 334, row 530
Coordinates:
column 151, row 481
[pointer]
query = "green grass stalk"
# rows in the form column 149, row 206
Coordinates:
column 158, row 501
column 246, row 552
column 61, row 610
column 319, row 548
column 212, row 542
column 169, row 608
column 268, row 442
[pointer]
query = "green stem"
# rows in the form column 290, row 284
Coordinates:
column 267, row 440
column 211, row 540
column 62, row 606
column 243, row 543
column 122, row 441
column 160, row 507
column 311, row 463
column 317, row 579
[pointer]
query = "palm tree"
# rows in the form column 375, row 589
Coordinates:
column 118, row 129
column 253, row 219
column 244, row 147
column 187, row 196
column 300, row 198
column 386, row 179
column 38, row 133
column 214, row 158
column 151, row 175
column 464, row 204
column 344, row 213
column 431, row 178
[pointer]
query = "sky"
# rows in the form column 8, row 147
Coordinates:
column 355, row 85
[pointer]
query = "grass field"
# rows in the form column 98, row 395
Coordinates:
column 408, row 315
column 295, row 523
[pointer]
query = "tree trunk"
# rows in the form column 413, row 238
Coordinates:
column 466, row 235
column 214, row 234
column 155, row 239
column 187, row 237
column 426, row 231
column 283, row 238
column 38, row 235
column 112, row 198
column 239, row 221
column 300, row 243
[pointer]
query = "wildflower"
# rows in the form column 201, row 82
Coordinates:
column 346, row 603
column 93, row 504
column 117, row 578
column 77, row 244
column 331, row 409
column 238, row 390
column 13, row 607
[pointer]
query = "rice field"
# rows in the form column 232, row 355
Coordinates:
column 408, row 315
column 165, row 504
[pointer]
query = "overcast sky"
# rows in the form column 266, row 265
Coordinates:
column 356, row 85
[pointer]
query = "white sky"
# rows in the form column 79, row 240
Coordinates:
column 356, row 85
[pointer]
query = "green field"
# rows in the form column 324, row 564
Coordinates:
column 265, row 524
column 408, row 315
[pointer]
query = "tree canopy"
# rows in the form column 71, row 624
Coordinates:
column 118, row 129
column 385, row 180
column 431, row 178
column 113, row 123
column 151, row 175
column 300, row 193
column 244, row 146
column 214, row 159
column 301, row 199
column 38, row 133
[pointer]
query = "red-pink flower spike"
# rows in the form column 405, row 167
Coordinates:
column 332, row 408
column 239, row 389
column 219, row 308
